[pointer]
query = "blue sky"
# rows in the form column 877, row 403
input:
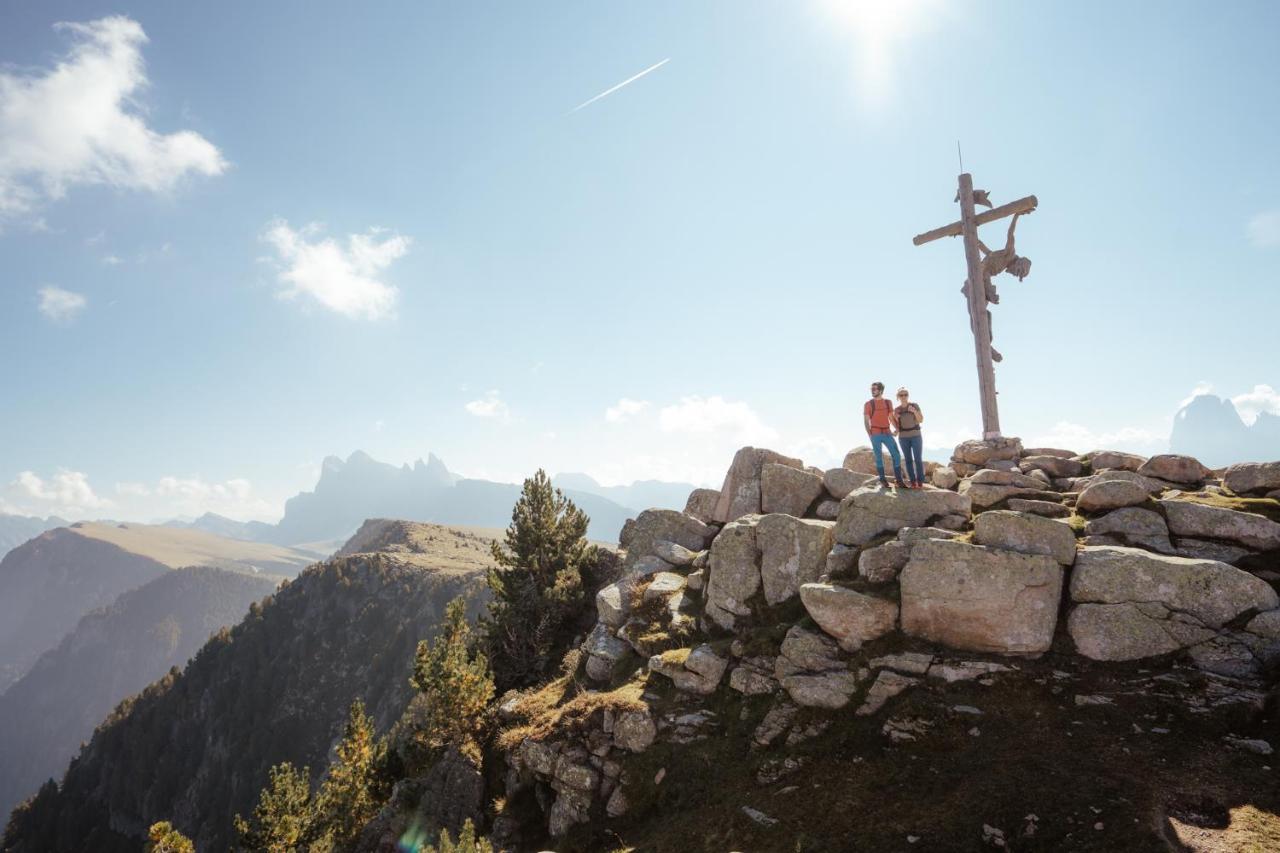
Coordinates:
column 273, row 232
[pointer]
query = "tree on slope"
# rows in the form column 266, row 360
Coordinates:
column 456, row 686
column 163, row 838
column 280, row 820
column 537, row 585
column 349, row 796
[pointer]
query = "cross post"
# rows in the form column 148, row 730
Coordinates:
column 975, row 289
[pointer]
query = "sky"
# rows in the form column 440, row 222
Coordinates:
column 618, row 238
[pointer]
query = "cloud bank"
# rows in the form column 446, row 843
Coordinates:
column 342, row 279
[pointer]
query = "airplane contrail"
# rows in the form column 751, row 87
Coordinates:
column 613, row 89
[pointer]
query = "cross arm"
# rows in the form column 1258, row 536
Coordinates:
column 1022, row 205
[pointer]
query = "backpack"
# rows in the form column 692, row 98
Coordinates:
column 907, row 418
column 879, row 416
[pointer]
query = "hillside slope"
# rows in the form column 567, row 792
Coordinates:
column 48, row 583
column 112, row 653
column 195, row 747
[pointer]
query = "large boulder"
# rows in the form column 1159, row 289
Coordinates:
column 868, row 512
column 692, row 671
column 1210, row 593
column 1131, row 631
column 1054, row 466
column 980, row 599
column 656, row 525
column 853, row 618
column 1026, row 533
column 945, row 477
column 882, row 563
column 702, row 504
column 841, row 481
column 1212, row 522
column 740, row 494
column 793, row 551
column 980, row 453
column 991, row 477
column 605, row 653
column 862, row 460
column 1130, row 526
column 788, row 490
column 734, row 572
column 983, row 496
column 1252, row 477
column 1111, row 494
column 810, row 669
column 1059, row 452
column 1175, row 468
column 1101, row 460
column 1049, row 509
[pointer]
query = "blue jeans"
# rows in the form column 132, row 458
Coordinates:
column 912, row 449
column 881, row 440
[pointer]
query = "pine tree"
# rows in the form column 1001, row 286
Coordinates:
column 466, row 843
column 283, row 813
column 455, row 684
column 348, row 798
column 163, row 838
column 537, row 585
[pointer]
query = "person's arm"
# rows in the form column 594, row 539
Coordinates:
column 866, row 419
column 894, row 426
column 919, row 415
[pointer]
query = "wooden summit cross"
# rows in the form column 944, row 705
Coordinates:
column 982, row 267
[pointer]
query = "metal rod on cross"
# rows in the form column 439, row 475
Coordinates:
column 978, row 289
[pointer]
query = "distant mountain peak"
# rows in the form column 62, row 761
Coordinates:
column 1210, row 428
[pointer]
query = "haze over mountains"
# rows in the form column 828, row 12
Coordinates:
column 1210, row 429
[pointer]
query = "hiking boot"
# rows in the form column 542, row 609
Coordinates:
column 897, row 481
column 884, row 484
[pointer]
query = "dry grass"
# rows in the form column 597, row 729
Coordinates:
column 1268, row 507
column 178, row 548
column 559, row 708
column 444, row 548
column 1248, row 830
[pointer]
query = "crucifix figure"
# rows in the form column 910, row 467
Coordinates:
column 984, row 264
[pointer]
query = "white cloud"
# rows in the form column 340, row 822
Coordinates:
column 1081, row 439
column 624, row 410
column 111, row 260
column 816, row 450
column 133, row 490
column 80, row 123
column 489, row 406
column 1264, row 229
column 732, row 418
column 1263, row 398
column 342, row 279
column 60, row 306
column 173, row 496
column 879, row 31
column 66, row 493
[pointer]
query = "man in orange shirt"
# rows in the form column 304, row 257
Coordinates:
column 878, row 418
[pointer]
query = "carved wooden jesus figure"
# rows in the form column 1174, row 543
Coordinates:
column 984, row 264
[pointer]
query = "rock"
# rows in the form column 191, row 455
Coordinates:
column 793, row 552
column 1248, row 478
column 831, row 689
column 634, row 731
column 966, row 670
column 775, row 722
column 617, row 805
column 807, row 651
column 702, row 504
column 654, row 525
column 842, row 561
column 1212, row 522
column 1254, row 745
column 699, row 671
column 862, row 460
column 887, row 685
column 754, row 677
column 1050, row 451
column 1054, row 466
column 882, row 564
column 980, row 599
column 988, row 477
column 867, row 512
column 979, row 453
column 788, row 490
column 1211, row 593
column 1026, row 533
column 1103, row 459
column 605, row 653
column 1132, row 526
column 759, row 816
column 676, row 555
column 696, row 580
column 740, row 494
column 1225, row 655
column 985, row 497
column 851, row 617
column 827, row 510
column 912, row 663
column 1203, row 549
column 1153, row 487
column 734, row 572
column 1265, row 625
column 812, row 673
column 1048, row 509
column 945, row 477
column 613, row 603
column 1175, row 468
column 841, row 481
column 1042, row 478
column 647, row 567
column 664, row 585
column 1111, row 494
column 912, row 535
column 1116, row 632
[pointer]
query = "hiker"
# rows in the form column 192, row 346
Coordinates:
column 877, row 416
column 908, row 419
